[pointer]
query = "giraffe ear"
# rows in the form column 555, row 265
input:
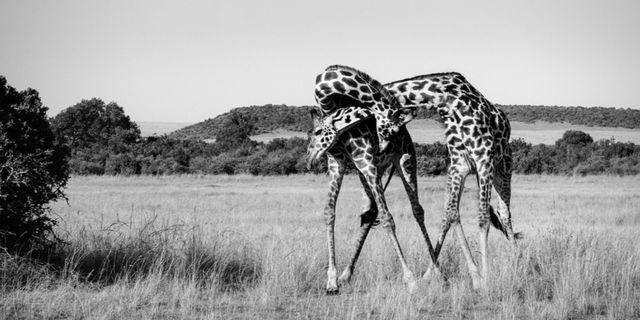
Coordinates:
column 315, row 113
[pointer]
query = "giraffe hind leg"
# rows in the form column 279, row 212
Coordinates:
column 502, row 184
column 386, row 221
column 485, row 181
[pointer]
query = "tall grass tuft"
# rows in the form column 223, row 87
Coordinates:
column 113, row 254
column 17, row 271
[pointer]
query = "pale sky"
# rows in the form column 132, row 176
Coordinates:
column 186, row 61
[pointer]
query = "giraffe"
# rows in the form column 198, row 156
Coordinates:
column 358, row 144
column 477, row 136
column 338, row 86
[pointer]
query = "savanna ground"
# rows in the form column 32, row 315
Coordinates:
column 241, row 247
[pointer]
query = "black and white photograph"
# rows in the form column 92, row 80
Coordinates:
column 285, row 159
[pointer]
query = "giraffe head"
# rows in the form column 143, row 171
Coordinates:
column 321, row 137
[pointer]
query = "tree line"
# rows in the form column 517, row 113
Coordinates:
column 103, row 140
column 94, row 137
column 270, row 117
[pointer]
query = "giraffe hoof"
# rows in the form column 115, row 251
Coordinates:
column 333, row 291
column 344, row 279
column 433, row 273
column 411, row 282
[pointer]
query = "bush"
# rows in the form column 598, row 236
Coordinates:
column 33, row 170
column 92, row 122
column 593, row 165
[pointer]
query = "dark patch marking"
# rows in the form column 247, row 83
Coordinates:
column 330, row 76
column 350, row 82
column 434, row 88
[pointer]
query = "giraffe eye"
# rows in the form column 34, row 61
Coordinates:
column 317, row 132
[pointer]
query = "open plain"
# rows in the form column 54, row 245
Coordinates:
column 238, row 247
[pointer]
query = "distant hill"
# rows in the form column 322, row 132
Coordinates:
column 269, row 118
column 593, row 116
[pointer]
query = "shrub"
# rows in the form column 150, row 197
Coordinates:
column 33, row 170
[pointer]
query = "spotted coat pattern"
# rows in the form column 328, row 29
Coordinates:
column 477, row 136
column 340, row 86
column 359, row 145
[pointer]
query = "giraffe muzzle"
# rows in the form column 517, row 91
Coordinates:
column 313, row 157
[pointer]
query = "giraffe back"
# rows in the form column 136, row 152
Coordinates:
column 473, row 125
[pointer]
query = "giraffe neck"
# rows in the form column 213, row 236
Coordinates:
column 359, row 144
column 433, row 91
column 345, row 118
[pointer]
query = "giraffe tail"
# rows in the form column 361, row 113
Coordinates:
column 497, row 223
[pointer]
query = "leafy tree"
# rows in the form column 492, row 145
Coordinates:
column 33, row 170
column 574, row 138
column 92, row 123
column 572, row 149
column 235, row 131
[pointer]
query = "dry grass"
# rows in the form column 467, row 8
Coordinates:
column 224, row 247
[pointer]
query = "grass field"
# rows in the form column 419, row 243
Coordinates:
column 238, row 247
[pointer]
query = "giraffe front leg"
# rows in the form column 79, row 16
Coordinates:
column 336, row 173
column 408, row 168
column 388, row 224
column 449, row 215
column 434, row 268
column 367, row 220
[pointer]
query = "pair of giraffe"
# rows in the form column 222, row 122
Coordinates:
column 477, row 137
